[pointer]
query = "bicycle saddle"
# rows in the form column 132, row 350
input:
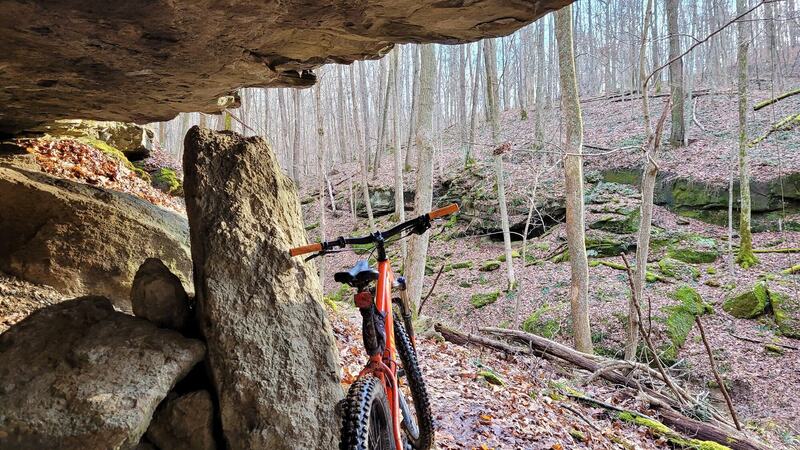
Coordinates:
column 361, row 273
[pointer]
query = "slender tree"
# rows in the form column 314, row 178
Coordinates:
column 745, row 258
column 418, row 247
column 678, row 131
column 573, row 176
column 489, row 55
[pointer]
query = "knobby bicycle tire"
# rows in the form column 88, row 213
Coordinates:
column 366, row 417
column 419, row 394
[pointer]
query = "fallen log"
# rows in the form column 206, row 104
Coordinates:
column 537, row 345
column 766, row 103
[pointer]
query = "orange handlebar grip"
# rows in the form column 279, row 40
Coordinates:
column 449, row 209
column 305, row 249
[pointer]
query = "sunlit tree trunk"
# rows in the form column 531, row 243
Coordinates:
column 489, row 57
column 418, row 247
column 745, row 258
column 573, row 175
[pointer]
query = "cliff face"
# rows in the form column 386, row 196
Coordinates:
column 147, row 60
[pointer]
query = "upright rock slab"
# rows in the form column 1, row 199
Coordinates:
column 270, row 346
column 79, row 375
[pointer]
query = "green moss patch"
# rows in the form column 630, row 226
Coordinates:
column 457, row 266
column 168, row 181
column 482, row 299
column 748, row 304
column 667, row 433
column 109, row 150
column 514, row 254
column 490, row 266
column 694, row 249
column 534, row 324
column 679, row 270
column 681, row 318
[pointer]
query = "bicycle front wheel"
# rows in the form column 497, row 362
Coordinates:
column 367, row 419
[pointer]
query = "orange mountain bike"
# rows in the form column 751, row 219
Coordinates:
column 377, row 415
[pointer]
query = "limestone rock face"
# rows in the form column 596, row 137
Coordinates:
column 185, row 54
column 158, row 296
column 82, row 239
column 184, row 423
column 79, row 375
column 133, row 140
column 270, row 346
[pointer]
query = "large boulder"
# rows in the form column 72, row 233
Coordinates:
column 271, row 351
column 158, row 296
column 80, row 375
column 82, row 239
column 748, row 303
column 184, row 423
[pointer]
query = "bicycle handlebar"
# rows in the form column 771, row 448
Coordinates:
column 305, row 249
column 421, row 222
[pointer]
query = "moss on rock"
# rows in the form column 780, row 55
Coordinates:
column 694, row 249
column 681, row 317
column 490, row 266
column 534, row 324
column 679, row 270
column 482, row 299
column 748, row 304
column 168, row 181
column 787, row 313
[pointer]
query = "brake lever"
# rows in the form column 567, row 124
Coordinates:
column 322, row 253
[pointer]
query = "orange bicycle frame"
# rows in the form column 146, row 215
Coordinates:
column 384, row 366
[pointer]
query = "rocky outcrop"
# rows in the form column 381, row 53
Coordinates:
column 709, row 201
column 382, row 201
column 270, row 346
column 158, row 296
column 184, row 423
column 82, row 239
column 132, row 140
column 79, row 375
column 184, row 54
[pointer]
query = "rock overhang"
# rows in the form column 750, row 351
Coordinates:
column 147, row 60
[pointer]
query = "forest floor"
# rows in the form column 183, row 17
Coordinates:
column 750, row 368
column 528, row 411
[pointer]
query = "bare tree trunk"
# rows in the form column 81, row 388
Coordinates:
column 414, row 106
column 473, row 110
column 490, row 62
column 321, row 174
column 678, row 130
column 573, row 174
column 399, row 198
column 745, row 258
column 296, row 147
column 424, row 186
column 384, row 119
column 646, row 208
column 364, row 152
